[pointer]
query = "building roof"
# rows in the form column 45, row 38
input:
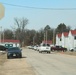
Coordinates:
column 48, row 41
column 65, row 34
column 73, row 32
column 13, row 41
column 59, row 35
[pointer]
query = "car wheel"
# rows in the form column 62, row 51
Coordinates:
column 49, row 52
column 40, row 51
column 20, row 56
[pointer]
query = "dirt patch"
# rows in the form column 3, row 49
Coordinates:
column 2, row 58
column 70, row 53
column 67, row 53
column 16, row 66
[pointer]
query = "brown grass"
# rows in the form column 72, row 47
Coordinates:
column 70, row 53
column 2, row 58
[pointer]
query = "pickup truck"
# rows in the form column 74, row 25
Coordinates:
column 58, row 48
column 44, row 48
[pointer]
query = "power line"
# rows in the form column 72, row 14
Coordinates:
column 38, row 7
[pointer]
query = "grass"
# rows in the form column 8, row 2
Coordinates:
column 70, row 53
column 2, row 58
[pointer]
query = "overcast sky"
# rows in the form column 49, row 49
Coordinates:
column 39, row 18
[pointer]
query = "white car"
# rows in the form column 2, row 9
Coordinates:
column 44, row 48
column 73, row 49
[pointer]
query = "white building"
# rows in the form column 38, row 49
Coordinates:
column 66, row 39
column 58, row 39
column 72, row 39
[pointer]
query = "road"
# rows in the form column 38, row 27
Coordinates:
column 51, row 64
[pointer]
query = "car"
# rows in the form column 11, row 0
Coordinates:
column 58, row 48
column 29, row 47
column 44, row 48
column 36, row 47
column 14, row 52
column 73, row 49
column 2, row 48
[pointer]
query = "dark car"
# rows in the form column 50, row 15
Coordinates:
column 3, row 48
column 14, row 52
column 58, row 48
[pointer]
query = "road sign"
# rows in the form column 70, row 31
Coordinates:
column 2, row 11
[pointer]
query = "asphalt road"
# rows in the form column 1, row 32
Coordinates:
column 51, row 64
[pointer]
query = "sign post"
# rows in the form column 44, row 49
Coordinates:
column 2, row 11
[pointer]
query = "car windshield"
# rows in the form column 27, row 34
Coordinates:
column 46, row 45
column 14, row 48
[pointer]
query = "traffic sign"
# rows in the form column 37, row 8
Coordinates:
column 2, row 11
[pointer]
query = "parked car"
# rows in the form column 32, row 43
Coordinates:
column 29, row 47
column 2, row 48
column 14, row 52
column 73, row 49
column 36, row 47
column 44, row 48
column 58, row 48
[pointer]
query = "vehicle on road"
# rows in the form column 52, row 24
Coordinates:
column 73, row 49
column 58, row 48
column 14, row 52
column 44, row 48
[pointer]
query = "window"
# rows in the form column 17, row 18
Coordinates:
column 74, row 37
column 60, row 39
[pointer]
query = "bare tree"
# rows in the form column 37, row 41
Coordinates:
column 8, row 34
column 20, row 30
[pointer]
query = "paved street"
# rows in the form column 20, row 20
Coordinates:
column 51, row 64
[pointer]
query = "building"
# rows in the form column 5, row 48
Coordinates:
column 67, row 39
column 59, row 39
column 72, row 39
column 10, row 43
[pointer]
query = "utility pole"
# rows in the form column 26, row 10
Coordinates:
column 33, row 41
column 46, row 36
column 53, row 36
column 3, row 37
